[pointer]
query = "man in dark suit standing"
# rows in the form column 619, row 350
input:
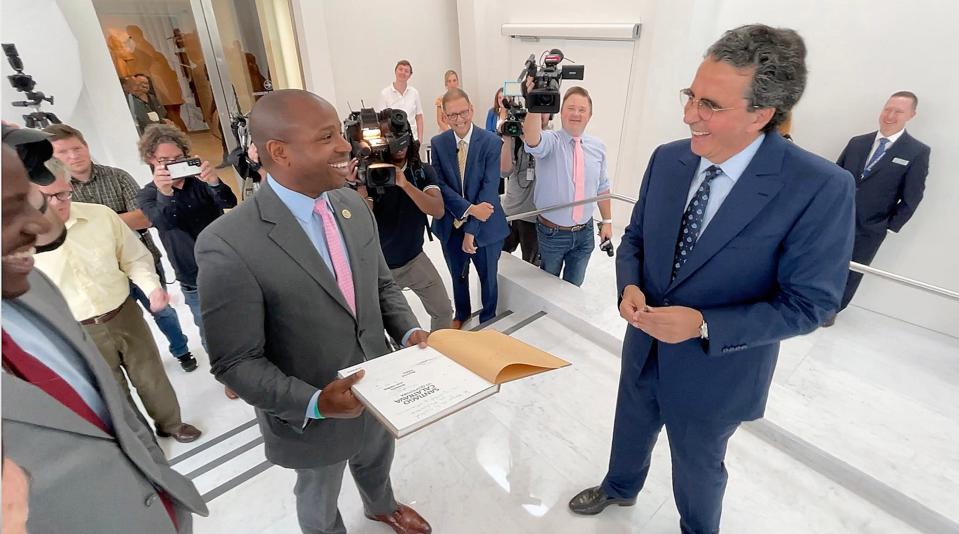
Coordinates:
column 91, row 463
column 890, row 167
column 307, row 293
column 467, row 161
column 740, row 239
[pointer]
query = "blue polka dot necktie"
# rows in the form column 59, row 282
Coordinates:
column 692, row 223
column 880, row 150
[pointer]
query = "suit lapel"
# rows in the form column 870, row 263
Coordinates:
column 289, row 236
column 755, row 188
column 673, row 204
column 27, row 403
column 899, row 148
column 471, row 155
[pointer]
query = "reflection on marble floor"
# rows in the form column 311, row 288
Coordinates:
column 876, row 393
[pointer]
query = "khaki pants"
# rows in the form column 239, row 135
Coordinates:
column 126, row 343
column 421, row 276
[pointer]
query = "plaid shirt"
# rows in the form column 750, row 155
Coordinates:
column 115, row 189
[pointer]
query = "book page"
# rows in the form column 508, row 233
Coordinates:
column 493, row 355
column 411, row 386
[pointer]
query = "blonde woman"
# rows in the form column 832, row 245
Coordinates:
column 452, row 81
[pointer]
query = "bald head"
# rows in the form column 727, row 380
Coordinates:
column 299, row 140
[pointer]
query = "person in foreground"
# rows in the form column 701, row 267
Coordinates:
column 740, row 239
column 89, row 463
column 309, row 293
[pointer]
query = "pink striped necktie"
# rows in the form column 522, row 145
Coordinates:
column 341, row 267
column 579, row 179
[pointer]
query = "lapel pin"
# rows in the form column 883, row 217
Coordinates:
column 346, row 214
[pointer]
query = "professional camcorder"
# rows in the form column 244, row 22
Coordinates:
column 544, row 97
column 515, row 115
column 375, row 139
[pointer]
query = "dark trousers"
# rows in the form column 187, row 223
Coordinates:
column 523, row 234
column 863, row 251
column 485, row 260
column 697, row 449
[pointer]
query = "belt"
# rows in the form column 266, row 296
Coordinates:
column 547, row 223
column 100, row 319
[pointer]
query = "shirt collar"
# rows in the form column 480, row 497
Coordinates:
column 469, row 136
column 77, row 214
column 95, row 171
column 299, row 204
column 735, row 166
column 397, row 91
column 892, row 138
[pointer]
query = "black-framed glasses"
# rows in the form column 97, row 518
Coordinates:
column 62, row 196
column 457, row 116
column 705, row 108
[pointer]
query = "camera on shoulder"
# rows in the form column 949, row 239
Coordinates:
column 544, row 97
column 375, row 139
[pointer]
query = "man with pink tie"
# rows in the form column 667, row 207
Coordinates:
column 570, row 166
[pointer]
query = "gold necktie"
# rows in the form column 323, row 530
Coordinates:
column 461, row 158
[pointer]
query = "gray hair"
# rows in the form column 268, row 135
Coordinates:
column 777, row 57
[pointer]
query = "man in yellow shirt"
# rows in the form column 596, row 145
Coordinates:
column 92, row 269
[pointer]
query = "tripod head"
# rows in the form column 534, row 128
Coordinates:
column 24, row 83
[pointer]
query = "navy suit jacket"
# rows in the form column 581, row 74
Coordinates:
column 770, row 265
column 481, row 184
column 888, row 195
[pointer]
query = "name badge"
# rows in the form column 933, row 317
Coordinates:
column 153, row 116
column 530, row 175
column 900, row 161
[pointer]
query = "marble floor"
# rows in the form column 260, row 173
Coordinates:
column 859, row 435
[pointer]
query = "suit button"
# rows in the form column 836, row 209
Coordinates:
column 152, row 498
column 666, row 302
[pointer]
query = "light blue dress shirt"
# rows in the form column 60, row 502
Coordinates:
column 301, row 206
column 722, row 184
column 554, row 174
column 35, row 337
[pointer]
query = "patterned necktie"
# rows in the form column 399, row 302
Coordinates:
column 341, row 267
column 461, row 159
column 692, row 223
column 579, row 178
column 880, row 150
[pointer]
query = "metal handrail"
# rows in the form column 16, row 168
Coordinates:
column 853, row 266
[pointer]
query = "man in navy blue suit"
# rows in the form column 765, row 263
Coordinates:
column 740, row 239
column 466, row 160
column 890, row 168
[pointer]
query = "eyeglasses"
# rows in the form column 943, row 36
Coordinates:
column 705, row 108
column 62, row 196
column 458, row 116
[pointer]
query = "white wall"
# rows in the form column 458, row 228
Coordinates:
column 63, row 47
column 859, row 52
column 357, row 44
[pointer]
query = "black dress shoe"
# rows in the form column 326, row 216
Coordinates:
column 594, row 500
column 187, row 362
column 831, row 320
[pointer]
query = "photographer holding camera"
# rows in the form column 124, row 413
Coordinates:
column 519, row 169
column 180, row 208
column 570, row 167
column 400, row 214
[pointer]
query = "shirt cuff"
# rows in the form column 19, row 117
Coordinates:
column 406, row 336
column 312, row 409
column 466, row 213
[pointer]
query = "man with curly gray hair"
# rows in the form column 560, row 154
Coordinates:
column 740, row 240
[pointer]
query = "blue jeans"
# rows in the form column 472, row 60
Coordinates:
column 566, row 251
column 166, row 320
column 192, row 298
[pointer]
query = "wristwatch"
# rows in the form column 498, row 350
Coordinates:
column 704, row 330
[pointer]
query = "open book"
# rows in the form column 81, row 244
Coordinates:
column 413, row 387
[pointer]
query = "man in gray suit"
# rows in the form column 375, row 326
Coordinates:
column 294, row 287
column 91, row 463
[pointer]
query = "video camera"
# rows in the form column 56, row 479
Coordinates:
column 25, row 83
column 375, row 138
column 515, row 112
column 544, row 96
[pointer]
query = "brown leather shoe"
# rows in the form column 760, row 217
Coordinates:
column 456, row 324
column 185, row 433
column 230, row 394
column 404, row 520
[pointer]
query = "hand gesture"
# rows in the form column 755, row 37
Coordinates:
column 337, row 401
column 481, row 211
column 208, row 173
column 159, row 299
column 161, row 177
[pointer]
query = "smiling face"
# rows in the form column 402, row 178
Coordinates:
column 729, row 131
column 895, row 114
column 452, row 81
column 314, row 156
column 403, row 73
column 575, row 114
column 22, row 223
column 459, row 115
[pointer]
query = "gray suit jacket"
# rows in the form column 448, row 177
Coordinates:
column 278, row 326
column 81, row 479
